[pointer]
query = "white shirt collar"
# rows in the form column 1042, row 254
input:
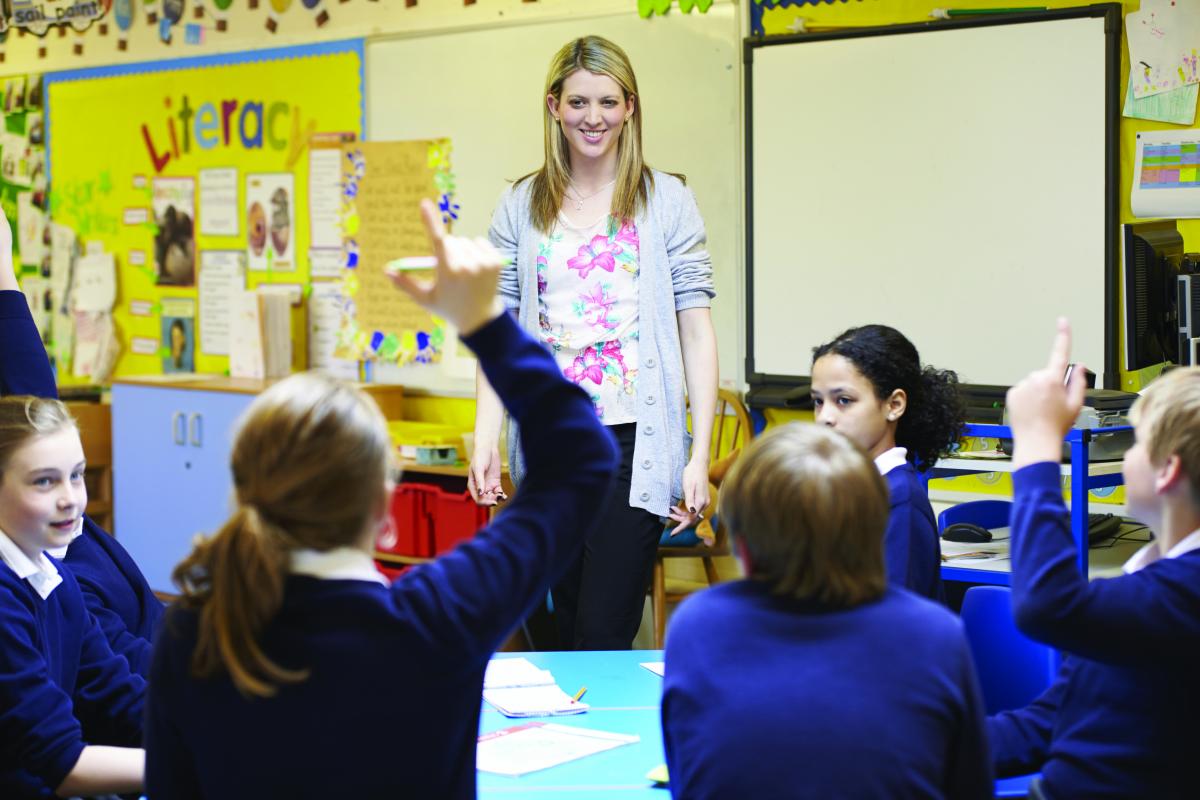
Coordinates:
column 1149, row 554
column 41, row 574
column 61, row 552
column 888, row 460
column 338, row 564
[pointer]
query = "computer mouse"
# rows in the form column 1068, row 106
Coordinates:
column 966, row 532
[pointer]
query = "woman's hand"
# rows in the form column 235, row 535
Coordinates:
column 695, row 501
column 483, row 478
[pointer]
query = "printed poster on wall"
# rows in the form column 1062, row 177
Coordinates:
column 174, row 205
column 270, row 221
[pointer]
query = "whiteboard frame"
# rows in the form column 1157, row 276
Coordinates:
column 793, row 389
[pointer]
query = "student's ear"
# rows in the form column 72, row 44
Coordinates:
column 552, row 104
column 896, row 404
column 1170, row 475
column 630, row 106
column 743, row 555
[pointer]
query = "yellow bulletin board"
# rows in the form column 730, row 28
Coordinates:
column 163, row 163
column 382, row 185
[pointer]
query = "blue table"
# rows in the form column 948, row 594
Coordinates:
column 624, row 698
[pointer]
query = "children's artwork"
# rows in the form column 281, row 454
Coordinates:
column 31, row 229
column 1177, row 106
column 222, row 278
column 95, row 285
column 15, row 154
column 35, row 128
column 14, row 94
column 219, row 202
column 174, row 204
column 270, row 221
column 178, row 334
column 1164, row 46
column 1166, row 174
column 382, row 186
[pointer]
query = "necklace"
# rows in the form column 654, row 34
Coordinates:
column 579, row 200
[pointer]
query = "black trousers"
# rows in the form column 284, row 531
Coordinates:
column 598, row 603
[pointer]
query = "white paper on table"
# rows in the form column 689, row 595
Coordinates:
column 219, row 202
column 222, row 275
column 325, row 197
column 1164, row 38
column 1172, row 192
column 502, row 673
column 95, row 286
column 31, row 224
column 541, row 745
column 533, row 701
column 659, row 668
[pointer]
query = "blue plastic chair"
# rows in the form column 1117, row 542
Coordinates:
column 1012, row 668
column 985, row 513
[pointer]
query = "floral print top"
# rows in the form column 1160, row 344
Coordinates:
column 588, row 310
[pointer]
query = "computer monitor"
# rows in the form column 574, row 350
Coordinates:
column 1152, row 255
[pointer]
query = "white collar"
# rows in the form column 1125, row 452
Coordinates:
column 61, row 552
column 1149, row 554
column 338, row 564
column 41, row 574
column 888, row 460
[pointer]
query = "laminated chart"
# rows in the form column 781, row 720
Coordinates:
column 1166, row 176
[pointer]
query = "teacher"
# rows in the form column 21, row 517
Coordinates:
column 609, row 270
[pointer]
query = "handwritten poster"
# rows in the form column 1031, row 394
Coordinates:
column 382, row 186
column 219, row 201
column 222, row 277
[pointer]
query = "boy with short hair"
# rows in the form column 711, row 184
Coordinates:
column 813, row 677
column 1120, row 720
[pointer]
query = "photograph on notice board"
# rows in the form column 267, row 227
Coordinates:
column 175, row 242
column 178, row 334
column 270, row 213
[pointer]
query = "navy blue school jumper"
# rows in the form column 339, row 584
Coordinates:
column 61, row 686
column 114, row 588
column 1123, row 717
column 911, row 551
column 391, row 706
column 766, row 696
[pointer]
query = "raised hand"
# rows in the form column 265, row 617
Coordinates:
column 1041, row 409
column 463, row 290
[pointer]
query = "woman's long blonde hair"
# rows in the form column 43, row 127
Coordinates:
column 310, row 465
column 634, row 179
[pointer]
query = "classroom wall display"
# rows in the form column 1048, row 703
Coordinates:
column 140, row 153
column 956, row 181
column 382, row 185
column 688, row 72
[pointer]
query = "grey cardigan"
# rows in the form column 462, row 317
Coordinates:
column 675, row 273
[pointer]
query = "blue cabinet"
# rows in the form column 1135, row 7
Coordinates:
column 171, row 477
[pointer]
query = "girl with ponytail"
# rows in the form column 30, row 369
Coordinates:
column 869, row 384
column 290, row 668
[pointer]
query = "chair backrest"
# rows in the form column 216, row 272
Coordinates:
column 985, row 513
column 732, row 428
column 1012, row 668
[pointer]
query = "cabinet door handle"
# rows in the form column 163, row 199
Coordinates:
column 196, row 429
column 178, row 429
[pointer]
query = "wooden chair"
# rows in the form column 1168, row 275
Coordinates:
column 732, row 431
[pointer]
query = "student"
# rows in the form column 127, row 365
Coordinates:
column 869, row 384
column 113, row 587
column 1120, row 721
column 813, row 677
column 610, row 272
column 66, row 700
column 290, row 667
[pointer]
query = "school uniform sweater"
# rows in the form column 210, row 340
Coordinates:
column 911, row 550
column 772, row 697
column 1121, row 718
column 391, row 705
column 59, row 683
column 113, row 587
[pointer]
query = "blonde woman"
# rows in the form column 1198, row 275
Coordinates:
column 610, row 272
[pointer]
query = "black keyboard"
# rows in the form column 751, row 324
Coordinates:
column 1102, row 526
